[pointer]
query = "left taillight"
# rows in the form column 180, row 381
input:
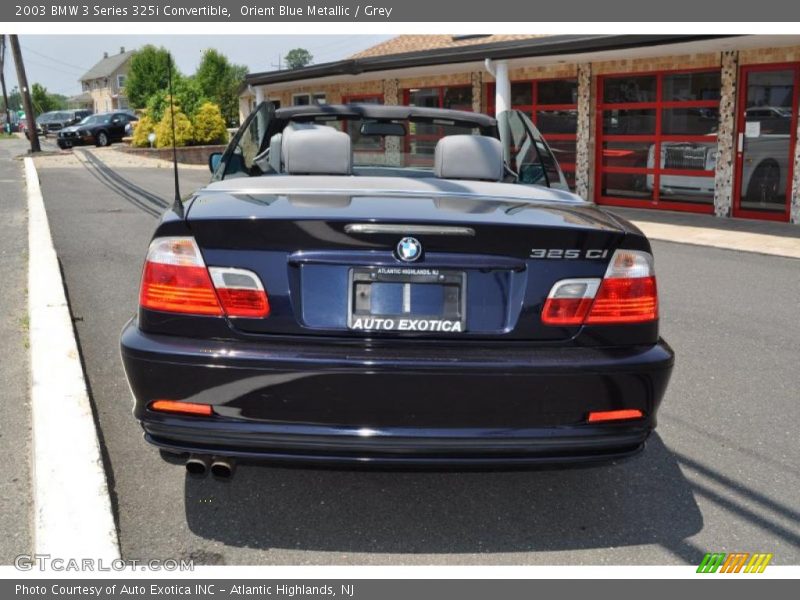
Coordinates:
column 175, row 279
column 626, row 294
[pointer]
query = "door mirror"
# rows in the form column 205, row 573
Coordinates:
column 213, row 161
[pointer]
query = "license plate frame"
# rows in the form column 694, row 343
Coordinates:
column 453, row 319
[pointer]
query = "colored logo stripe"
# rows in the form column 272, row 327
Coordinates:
column 734, row 562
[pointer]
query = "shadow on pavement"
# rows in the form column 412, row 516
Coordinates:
column 644, row 500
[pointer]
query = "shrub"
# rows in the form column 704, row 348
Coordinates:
column 209, row 126
column 141, row 129
column 183, row 130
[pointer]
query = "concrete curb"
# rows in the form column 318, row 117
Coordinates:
column 758, row 243
column 72, row 508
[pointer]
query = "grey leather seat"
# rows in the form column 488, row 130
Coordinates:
column 317, row 150
column 469, row 157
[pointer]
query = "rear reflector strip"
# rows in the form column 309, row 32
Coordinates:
column 185, row 408
column 615, row 415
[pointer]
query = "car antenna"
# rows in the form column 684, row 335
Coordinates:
column 177, row 205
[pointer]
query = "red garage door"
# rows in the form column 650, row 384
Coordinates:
column 657, row 139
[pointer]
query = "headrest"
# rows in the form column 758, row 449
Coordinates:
column 469, row 157
column 316, row 150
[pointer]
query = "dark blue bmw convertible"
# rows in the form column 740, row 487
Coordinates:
column 394, row 285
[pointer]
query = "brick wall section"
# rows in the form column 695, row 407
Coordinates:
column 584, row 144
column 726, row 139
column 464, row 78
column 477, row 92
column 759, row 56
column 543, row 72
column 391, row 95
column 189, row 155
column 659, row 63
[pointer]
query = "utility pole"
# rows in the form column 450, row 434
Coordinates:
column 3, row 79
column 280, row 63
column 22, row 79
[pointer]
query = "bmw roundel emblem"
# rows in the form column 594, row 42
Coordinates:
column 409, row 249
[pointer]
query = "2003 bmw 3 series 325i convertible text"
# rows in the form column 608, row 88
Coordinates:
column 394, row 285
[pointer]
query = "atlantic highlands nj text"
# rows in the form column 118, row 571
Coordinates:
column 167, row 11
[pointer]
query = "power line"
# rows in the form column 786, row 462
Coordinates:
column 81, row 69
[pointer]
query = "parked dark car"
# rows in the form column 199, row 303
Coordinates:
column 66, row 118
column 101, row 129
column 393, row 285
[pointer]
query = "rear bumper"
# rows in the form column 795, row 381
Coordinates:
column 409, row 404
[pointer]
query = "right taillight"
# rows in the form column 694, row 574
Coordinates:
column 175, row 279
column 626, row 294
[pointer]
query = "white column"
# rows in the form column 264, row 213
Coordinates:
column 259, row 94
column 502, row 87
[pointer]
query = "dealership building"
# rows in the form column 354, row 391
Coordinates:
column 704, row 124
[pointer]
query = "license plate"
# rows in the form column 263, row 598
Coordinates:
column 407, row 300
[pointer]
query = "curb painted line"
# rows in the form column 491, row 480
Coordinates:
column 740, row 241
column 72, row 508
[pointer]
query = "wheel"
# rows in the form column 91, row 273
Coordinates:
column 765, row 183
column 102, row 139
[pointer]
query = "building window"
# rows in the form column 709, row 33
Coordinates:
column 120, row 81
column 308, row 99
column 421, row 139
column 552, row 105
column 657, row 139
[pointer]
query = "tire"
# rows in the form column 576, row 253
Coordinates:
column 765, row 183
column 102, row 139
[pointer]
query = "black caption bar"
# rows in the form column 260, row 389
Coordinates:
column 463, row 11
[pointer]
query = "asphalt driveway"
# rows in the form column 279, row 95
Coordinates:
column 721, row 475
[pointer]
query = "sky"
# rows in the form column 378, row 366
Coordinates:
column 58, row 61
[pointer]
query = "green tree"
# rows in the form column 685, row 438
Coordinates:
column 219, row 80
column 188, row 96
column 14, row 100
column 297, row 58
column 209, row 126
column 148, row 74
column 44, row 101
